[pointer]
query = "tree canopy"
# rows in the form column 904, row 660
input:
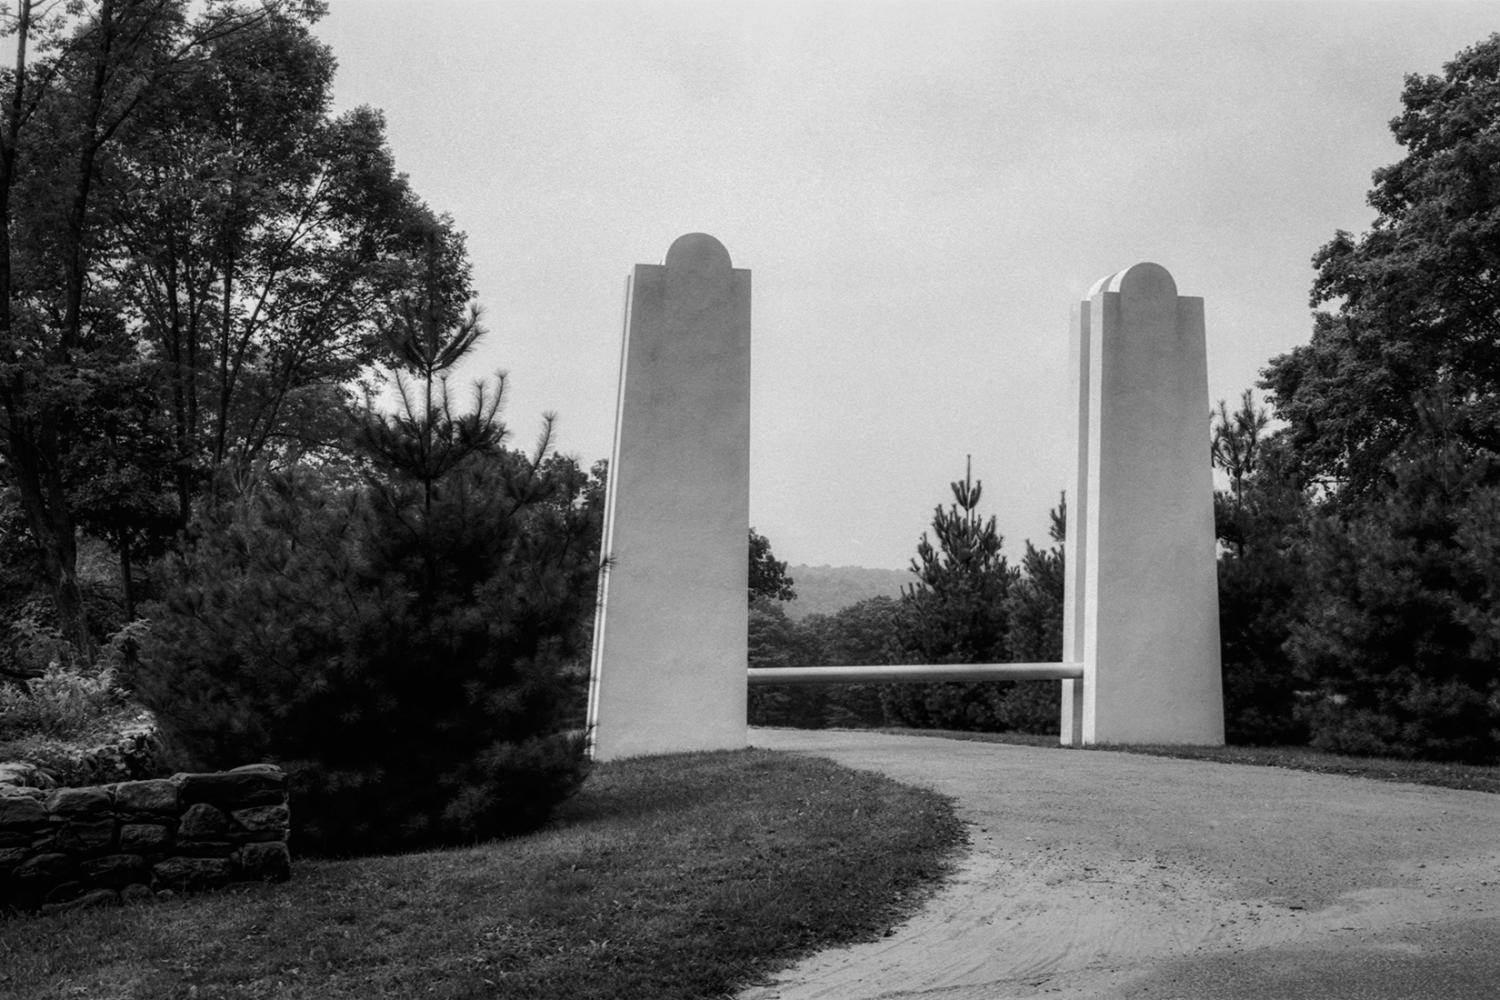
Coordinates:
column 768, row 577
column 197, row 261
column 1413, row 314
column 1356, row 594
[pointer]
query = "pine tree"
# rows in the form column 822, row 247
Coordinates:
column 1237, row 447
column 1035, row 606
column 402, row 648
column 955, row 610
column 1394, row 640
column 954, row 613
column 1262, row 522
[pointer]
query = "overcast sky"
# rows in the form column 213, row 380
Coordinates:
column 920, row 190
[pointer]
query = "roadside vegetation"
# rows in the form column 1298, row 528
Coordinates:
column 668, row 877
column 236, row 487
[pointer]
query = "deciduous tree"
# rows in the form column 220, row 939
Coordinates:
column 768, row 577
column 176, row 200
column 1393, row 417
column 80, row 77
column 1415, row 302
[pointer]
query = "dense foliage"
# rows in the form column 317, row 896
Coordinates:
column 208, row 279
column 70, row 719
column 196, row 260
column 401, row 646
column 1034, row 609
column 66, row 701
column 969, row 605
column 1416, row 304
column 1397, row 644
column 1392, row 413
column 1261, row 522
column 953, row 613
column 404, row 662
column 768, row 577
column 863, row 633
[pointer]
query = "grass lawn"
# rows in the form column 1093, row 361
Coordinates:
column 668, row 877
column 1469, row 777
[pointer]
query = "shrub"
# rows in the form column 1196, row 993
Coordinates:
column 75, row 723
column 62, row 702
column 1393, row 639
column 403, row 653
column 67, row 700
column 123, row 747
column 1261, row 523
column 30, row 645
column 1258, row 603
column 405, row 648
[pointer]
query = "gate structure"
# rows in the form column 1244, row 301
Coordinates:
column 1141, row 632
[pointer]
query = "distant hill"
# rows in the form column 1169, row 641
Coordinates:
column 822, row 590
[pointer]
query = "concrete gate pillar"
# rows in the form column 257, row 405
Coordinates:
column 669, row 656
column 1141, row 609
column 1141, row 603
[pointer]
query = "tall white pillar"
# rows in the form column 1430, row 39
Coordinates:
column 1076, row 541
column 669, row 657
column 1141, row 607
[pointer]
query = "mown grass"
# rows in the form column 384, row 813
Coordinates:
column 1469, row 777
column 670, row 877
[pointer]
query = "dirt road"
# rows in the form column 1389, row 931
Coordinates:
column 1106, row 875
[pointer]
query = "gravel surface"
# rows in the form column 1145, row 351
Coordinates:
column 1104, row 875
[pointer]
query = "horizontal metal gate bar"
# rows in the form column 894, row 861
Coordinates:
column 917, row 673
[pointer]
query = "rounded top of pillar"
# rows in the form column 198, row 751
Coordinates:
column 698, row 252
column 1145, row 279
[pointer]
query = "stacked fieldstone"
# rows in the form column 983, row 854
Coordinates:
column 71, row 847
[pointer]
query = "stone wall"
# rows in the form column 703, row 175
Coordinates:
column 71, row 847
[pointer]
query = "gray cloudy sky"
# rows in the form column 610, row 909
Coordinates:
column 920, row 189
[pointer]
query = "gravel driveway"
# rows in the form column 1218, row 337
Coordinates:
column 1108, row 875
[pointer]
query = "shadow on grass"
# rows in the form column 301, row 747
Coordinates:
column 653, row 789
